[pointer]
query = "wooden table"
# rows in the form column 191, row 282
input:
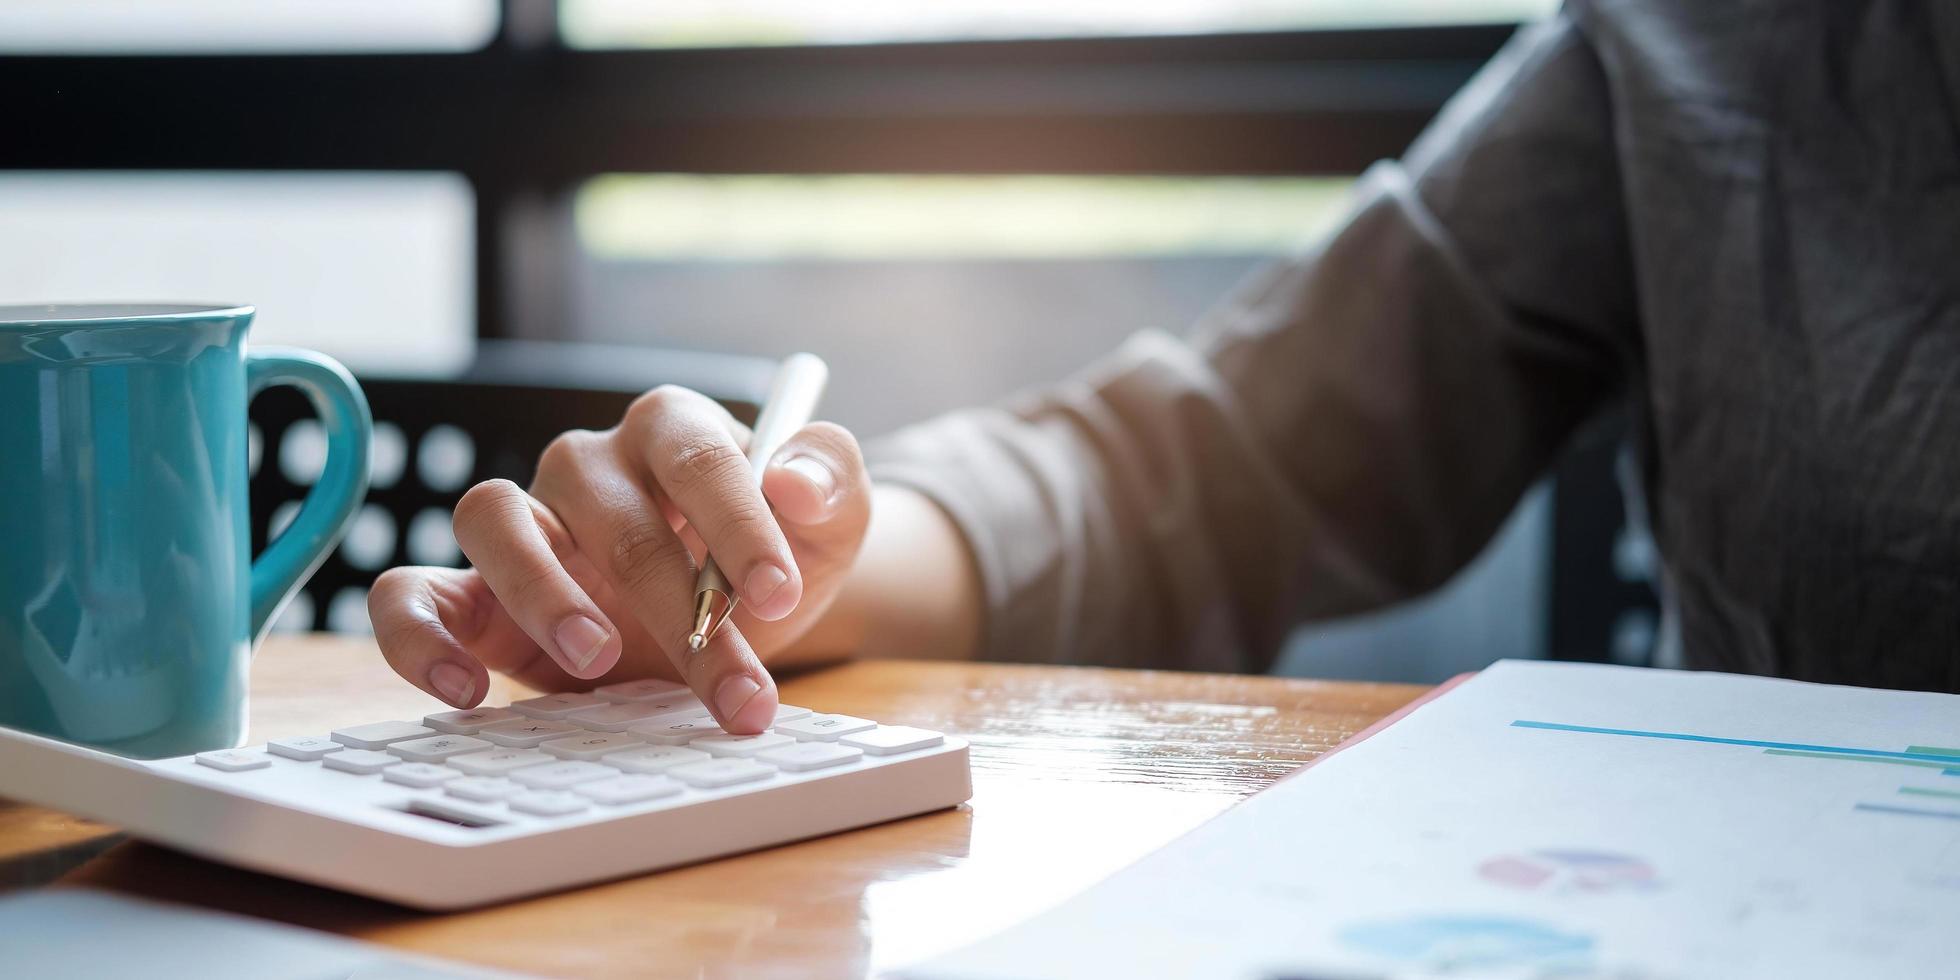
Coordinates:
column 1076, row 772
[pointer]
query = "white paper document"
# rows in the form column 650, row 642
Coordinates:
column 1558, row 820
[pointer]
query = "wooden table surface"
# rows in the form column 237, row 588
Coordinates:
column 1076, row 773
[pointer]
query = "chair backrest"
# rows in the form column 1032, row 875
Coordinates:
column 435, row 437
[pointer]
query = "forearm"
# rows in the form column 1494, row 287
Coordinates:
column 913, row 591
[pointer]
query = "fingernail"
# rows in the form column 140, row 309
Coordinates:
column 816, row 472
column 763, row 583
column 454, row 684
column 579, row 640
column 733, row 694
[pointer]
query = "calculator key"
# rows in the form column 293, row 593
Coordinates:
column 824, row 728
column 482, row 789
column 893, row 739
column 790, row 712
column 805, row 756
column 358, row 761
column 305, row 748
column 419, row 774
column 739, row 746
column 548, row 804
column 380, row 734
column 590, row 745
column 619, row 717
column 721, row 772
column 554, row 705
column 654, row 758
column 676, row 732
column 647, row 690
column 499, row 761
column 468, row 721
column 621, row 790
column 436, row 748
column 526, row 732
column 561, row 775
column 233, row 760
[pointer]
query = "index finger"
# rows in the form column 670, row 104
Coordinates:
column 506, row 535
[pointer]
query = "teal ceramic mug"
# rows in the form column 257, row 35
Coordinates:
column 129, row 599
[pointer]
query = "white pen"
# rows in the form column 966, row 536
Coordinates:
column 792, row 400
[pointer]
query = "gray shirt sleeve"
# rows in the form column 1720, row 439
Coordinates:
column 1347, row 431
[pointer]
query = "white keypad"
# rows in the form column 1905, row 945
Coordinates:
column 621, row 790
column 676, row 732
column 805, row 756
column 619, row 717
column 548, row 803
column 526, row 732
column 893, row 739
column 419, row 774
column 561, row 775
column 589, row 746
column 647, row 690
column 554, row 705
column 305, row 748
column 500, row 761
column 790, row 712
column 824, row 728
column 482, row 789
column 739, row 746
column 359, row 761
column 380, row 734
column 233, row 760
column 654, row 758
column 721, row 772
column 436, row 748
column 468, row 721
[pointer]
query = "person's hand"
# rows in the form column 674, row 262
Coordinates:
column 591, row 574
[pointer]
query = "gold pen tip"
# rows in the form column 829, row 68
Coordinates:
column 695, row 641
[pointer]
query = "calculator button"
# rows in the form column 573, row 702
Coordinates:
column 893, row 739
column 647, row 690
column 805, row 756
column 499, row 761
column 554, row 705
column 824, row 728
column 305, row 748
column 590, row 745
column 482, row 789
column 526, row 732
column 358, row 761
column 438, row 747
column 680, row 732
column 739, row 746
column 561, row 775
column 468, row 721
column 419, row 774
column 790, row 712
column 233, row 760
column 380, row 734
column 654, row 758
column 621, row 790
column 619, row 717
column 721, row 772
column 548, row 804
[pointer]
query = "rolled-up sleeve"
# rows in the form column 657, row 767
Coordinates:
column 1346, row 431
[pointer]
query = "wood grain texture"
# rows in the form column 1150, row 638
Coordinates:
column 1077, row 772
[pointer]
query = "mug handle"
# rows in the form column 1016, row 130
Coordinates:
column 329, row 507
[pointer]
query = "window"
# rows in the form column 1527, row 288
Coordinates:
column 718, row 23
column 229, row 27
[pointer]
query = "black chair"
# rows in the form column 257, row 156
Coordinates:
column 435, row 437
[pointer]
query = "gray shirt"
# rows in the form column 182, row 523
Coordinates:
column 1739, row 222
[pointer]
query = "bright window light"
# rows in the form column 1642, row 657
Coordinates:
column 716, row 23
column 685, row 217
column 232, row 27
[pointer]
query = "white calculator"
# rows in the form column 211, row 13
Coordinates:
column 470, row 807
